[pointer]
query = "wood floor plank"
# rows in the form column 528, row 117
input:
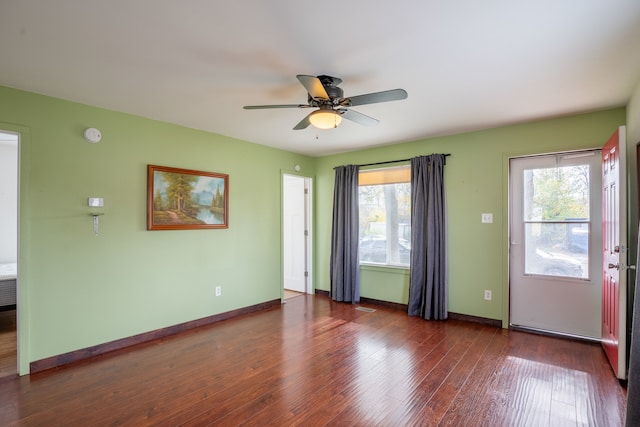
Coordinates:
column 314, row 362
column 440, row 402
column 475, row 396
column 443, row 366
column 8, row 344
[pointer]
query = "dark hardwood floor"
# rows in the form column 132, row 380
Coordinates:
column 313, row 362
column 8, row 344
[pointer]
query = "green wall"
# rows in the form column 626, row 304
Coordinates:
column 476, row 182
column 78, row 289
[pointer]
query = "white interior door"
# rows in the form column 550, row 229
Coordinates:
column 555, row 241
column 296, row 232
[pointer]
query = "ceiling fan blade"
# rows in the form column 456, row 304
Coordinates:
column 262, row 107
column 313, row 86
column 372, row 98
column 359, row 118
column 304, row 123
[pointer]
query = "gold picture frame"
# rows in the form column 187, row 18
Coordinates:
column 185, row 199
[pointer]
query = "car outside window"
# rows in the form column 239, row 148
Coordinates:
column 385, row 216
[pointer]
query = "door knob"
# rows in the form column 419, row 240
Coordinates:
column 623, row 267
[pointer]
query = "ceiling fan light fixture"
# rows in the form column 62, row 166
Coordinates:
column 325, row 119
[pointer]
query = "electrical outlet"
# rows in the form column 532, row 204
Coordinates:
column 487, row 218
column 487, row 295
column 218, row 291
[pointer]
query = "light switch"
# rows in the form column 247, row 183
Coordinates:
column 487, row 218
column 96, row 202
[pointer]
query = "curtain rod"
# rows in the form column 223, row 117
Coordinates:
column 392, row 161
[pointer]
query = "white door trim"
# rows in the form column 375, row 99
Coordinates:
column 287, row 251
column 541, row 300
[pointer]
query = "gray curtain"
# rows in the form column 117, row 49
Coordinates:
column 345, row 268
column 633, row 379
column 428, row 282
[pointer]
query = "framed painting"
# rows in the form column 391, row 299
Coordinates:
column 184, row 199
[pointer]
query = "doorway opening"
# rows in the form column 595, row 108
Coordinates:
column 296, row 235
column 8, row 252
column 555, row 237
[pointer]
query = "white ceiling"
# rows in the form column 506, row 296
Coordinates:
column 466, row 64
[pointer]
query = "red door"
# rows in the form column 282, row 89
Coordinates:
column 614, row 252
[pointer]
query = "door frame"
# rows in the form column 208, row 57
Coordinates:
column 506, row 224
column 22, row 284
column 308, row 213
column 594, row 280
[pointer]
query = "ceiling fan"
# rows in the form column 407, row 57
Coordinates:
column 324, row 94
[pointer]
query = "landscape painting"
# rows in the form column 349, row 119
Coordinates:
column 183, row 199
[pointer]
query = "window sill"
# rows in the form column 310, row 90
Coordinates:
column 383, row 268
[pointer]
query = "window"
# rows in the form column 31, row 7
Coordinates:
column 385, row 216
column 557, row 221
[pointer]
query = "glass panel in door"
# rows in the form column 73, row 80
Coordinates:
column 557, row 221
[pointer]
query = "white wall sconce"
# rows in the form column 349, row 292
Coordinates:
column 95, row 202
